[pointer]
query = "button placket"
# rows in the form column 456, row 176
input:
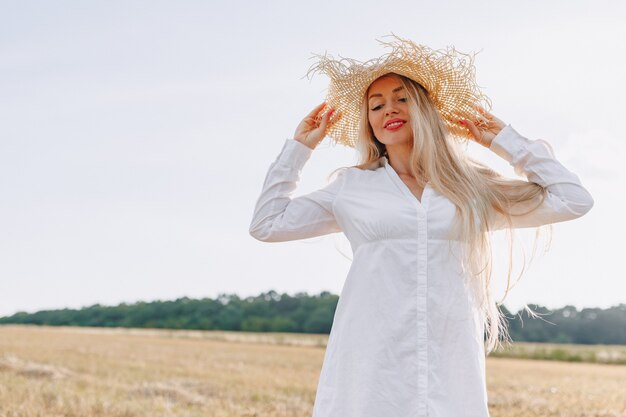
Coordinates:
column 421, row 208
column 422, row 306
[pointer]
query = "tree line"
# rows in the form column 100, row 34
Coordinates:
column 304, row 313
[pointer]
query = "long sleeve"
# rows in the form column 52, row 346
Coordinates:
column 277, row 216
column 566, row 197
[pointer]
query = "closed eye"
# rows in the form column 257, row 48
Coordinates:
column 403, row 99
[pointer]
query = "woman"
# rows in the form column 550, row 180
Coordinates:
column 408, row 333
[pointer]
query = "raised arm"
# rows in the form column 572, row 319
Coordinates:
column 277, row 217
column 566, row 197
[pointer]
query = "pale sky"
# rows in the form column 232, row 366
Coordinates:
column 135, row 137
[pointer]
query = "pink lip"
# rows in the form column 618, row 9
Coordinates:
column 395, row 127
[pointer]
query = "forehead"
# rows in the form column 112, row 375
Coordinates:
column 384, row 83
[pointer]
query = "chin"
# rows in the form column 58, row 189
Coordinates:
column 397, row 141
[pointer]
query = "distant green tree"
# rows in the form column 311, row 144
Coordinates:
column 320, row 321
column 301, row 312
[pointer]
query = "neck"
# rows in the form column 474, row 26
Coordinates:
column 399, row 158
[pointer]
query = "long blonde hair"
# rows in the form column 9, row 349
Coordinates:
column 477, row 191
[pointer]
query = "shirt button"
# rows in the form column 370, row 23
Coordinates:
column 420, row 214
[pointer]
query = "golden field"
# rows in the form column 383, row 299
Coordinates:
column 66, row 371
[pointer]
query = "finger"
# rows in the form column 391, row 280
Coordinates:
column 320, row 117
column 472, row 128
column 479, row 108
column 311, row 121
column 482, row 111
column 324, row 120
column 316, row 110
column 333, row 116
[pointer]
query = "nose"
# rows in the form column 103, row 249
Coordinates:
column 391, row 108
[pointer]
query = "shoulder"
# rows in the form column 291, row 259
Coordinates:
column 357, row 173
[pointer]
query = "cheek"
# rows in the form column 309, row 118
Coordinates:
column 373, row 121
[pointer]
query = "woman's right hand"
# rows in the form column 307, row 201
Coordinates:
column 312, row 128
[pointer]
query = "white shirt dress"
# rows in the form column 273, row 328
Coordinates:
column 407, row 338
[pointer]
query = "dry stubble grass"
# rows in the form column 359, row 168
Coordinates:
column 46, row 371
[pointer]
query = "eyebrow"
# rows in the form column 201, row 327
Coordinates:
column 395, row 90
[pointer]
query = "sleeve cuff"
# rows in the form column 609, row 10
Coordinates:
column 294, row 153
column 508, row 143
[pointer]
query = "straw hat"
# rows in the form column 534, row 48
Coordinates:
column 448, row 76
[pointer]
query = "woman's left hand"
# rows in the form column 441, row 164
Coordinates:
column 485, row 134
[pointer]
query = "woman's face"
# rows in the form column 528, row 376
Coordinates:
column 388, row 111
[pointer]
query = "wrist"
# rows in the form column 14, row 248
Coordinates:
column 487, row 142
column 305, row 143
